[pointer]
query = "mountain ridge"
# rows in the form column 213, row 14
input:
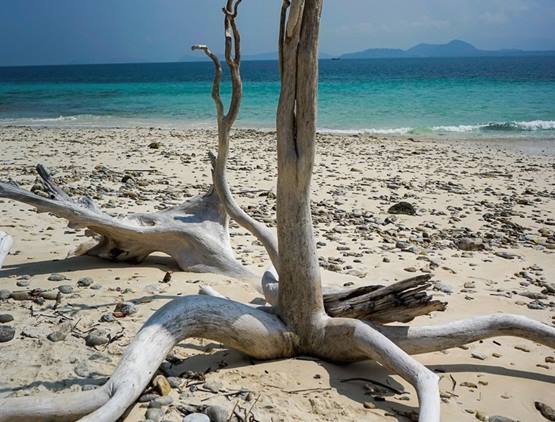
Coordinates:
column 454, row 48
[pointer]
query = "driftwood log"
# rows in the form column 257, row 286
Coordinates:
column 298, row 322
column 196, row 235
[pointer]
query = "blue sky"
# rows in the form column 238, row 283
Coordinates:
column 101, row 31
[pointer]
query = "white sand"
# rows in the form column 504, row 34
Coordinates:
column 352, row 173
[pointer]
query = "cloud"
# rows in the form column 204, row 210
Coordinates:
column 504, row 11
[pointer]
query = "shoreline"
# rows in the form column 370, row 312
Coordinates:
column 530, row 145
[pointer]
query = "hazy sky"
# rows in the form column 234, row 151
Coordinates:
column 100, row 31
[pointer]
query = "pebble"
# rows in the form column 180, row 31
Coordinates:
column 96, row 338
column 107, row 318
column 148, row 397
column 478, row 355
column 402, row 208
column 547, row 411
column 505, row 255
column 22, row 283
column 442, row 287
column 56, row 277
column 124, row 309
column 217, row 414
column 85, row 282
column 162, row 385
column 175, row 382
column 56, row 336
column 7, row 333
column 158, row 402
column 470, row 244
column 154, row 414
column 500, row 419
column 65, row 289
column 196, row 417
column 5, row 294
column 5, row 318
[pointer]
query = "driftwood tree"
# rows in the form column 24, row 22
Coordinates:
column 196, row 233
column 298, row 323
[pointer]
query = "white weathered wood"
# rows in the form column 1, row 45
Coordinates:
column 6, row 243
column 194, row 233
column 254, row 332
column 298, row 322
column 432, row 338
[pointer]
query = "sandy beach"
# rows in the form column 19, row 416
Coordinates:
column 484, row 226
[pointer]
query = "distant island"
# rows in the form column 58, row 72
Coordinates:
column 455, row 48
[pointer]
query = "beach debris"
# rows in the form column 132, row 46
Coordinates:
column 167, row 277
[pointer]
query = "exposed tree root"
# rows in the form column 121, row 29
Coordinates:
column 254, row 332
column 195, row 234
column 263, row 335
column 415, row 340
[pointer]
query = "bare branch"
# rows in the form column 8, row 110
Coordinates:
column 217, row 78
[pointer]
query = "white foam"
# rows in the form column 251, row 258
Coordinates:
column 371, row 131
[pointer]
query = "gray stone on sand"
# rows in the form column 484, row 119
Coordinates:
column 196, row 417
column 85, row 282
column 107, row 318
column 154, row 414
column 402, row 208
column 65, row 289
column 470, row 244
column 56, row 336
column 7, row 333
column 56, row 277
column 5, row 318
column 217, row 413
column 128, row 308
column 159, row 402
column 5, row 294
column 96, row 338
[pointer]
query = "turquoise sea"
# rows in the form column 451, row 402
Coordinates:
column 454, row 97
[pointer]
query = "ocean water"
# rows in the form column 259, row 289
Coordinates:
column 462, row 97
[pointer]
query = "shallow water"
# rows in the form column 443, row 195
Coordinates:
column 457, row 98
